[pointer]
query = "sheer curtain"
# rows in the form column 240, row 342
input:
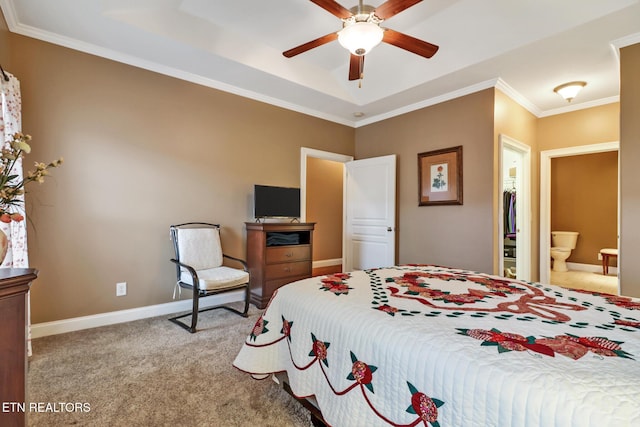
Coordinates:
column 10, row 123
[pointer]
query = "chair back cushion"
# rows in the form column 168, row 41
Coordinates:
column 200, row 247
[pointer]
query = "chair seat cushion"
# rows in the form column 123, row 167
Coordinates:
column 609, row 251
column 217, row 278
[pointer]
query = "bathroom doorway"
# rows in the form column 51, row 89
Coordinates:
column 589, row 265
column 322, row 199
column 514, row 211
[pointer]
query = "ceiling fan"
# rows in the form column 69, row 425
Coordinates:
column 361, row 32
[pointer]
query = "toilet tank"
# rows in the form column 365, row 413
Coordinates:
column 564, row 239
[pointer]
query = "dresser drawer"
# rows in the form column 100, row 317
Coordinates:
column 287, row 269
column 288, row 253
column 271, row 285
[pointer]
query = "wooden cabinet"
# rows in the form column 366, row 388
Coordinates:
column 14, row 285
column 277, row 254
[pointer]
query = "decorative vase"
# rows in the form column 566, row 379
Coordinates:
column 4, row 246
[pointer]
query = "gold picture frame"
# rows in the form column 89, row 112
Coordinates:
column 440, row 177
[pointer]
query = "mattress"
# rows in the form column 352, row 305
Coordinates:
column 435, row 346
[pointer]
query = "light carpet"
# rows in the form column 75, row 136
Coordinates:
column 585, row 280
column 153, row 373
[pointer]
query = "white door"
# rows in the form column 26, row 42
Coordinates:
column 370, row 213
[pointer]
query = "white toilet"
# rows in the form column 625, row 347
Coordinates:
column 562, row 243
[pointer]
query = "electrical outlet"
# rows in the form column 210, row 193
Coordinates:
column 599, row 256
column 121, row 289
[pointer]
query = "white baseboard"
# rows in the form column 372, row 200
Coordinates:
column 592, row 268
column 327, row 262
column 103, row 319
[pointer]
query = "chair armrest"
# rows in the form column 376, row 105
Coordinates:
column 245, row 267
column 190, row 269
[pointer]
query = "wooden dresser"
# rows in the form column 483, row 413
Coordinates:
column 14, row 285
column 277, row 254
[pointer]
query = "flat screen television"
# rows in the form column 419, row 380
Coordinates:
column 276, row 202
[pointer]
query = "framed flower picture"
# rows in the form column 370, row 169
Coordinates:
column 440, row 177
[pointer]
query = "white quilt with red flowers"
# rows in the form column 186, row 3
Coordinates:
column 421, row 345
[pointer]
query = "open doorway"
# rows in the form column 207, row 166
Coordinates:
column 514, row 212
column 321, row 199
column 574, row 200
column 368, row 208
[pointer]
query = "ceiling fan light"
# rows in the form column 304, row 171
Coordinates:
column 360, row 37
column 569, row 90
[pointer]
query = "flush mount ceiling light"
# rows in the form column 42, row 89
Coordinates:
column 569, row 90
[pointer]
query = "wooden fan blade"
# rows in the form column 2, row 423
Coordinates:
column 392, row 7
column 333, row 8
column 310, row 45
column 356, row 67
column 409, row 43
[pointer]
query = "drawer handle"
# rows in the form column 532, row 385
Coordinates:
column 287, row 269
column 289, row 254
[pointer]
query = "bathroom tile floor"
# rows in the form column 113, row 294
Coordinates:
column 586, row 280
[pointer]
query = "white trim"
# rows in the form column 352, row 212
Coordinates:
column 103, row 319
column 580, row 106
column 518, row 98
column 134, row 61
column 327, row 262
column 626, row 41
column 429, row 102
column 545, row 196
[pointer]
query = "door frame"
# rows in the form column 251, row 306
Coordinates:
column 523, row 240
column 545, row 197
column 305, row 153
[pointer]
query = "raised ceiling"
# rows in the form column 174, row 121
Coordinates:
column 524, row 47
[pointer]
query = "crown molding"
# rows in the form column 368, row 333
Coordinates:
column 626, row 41
column 581, row 106
column 518, row 98
column 429, row 102
column 14, row 26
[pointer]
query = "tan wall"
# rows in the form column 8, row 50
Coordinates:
column 583, row 127
column 584, row 198
column 324, row 207
column 142, row 151
column 459, row 236
column 629, row 170
column 514, row 121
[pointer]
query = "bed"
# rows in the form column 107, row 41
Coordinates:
column 434, row 346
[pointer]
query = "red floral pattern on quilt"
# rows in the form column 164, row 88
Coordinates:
column 438, row 292
column 570, row 346
column 494, row 295
column 425, row 407
column 336, row 283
